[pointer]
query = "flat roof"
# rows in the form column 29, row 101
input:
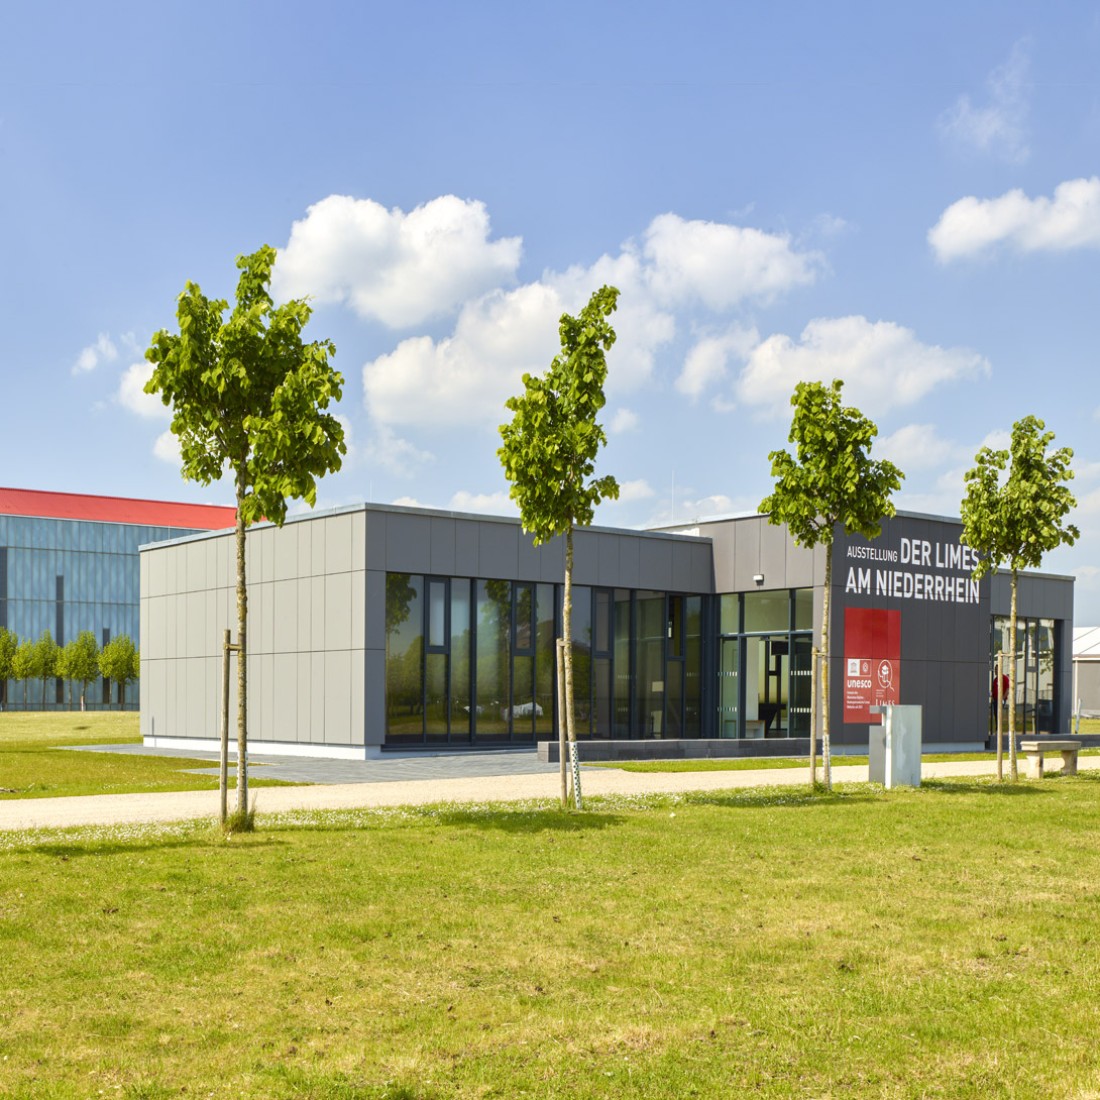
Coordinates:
column 42, row 504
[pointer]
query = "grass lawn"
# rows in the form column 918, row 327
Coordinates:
column 932, row 943
column 33, row 765
column 744, row 764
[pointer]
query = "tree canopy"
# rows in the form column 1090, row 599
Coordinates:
column 551, row 442
column 1014, row 511
column 248, row 394
column 1017, row 500
column 549, row 455
column 831, row 481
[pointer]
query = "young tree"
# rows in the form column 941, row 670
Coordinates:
column 248, row 395
column 1013, row 518
column 81, row 661
column 118, row 661
column 831, row 481
column 9, row 643
column 23, row 665
column 549, row 454
column 45, row 660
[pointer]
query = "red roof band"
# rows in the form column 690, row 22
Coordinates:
column 146, row 513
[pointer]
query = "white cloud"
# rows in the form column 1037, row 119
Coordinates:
column 494, row 504
column 883, row 365
column 389, row 451
column 622, row 421
column 468, row 376
column 465, row 378
column 707, row 362
column 690, row 509
column 1071, row 219
column 721, row 265
column 407, row 502
column 631, row 491
column 395, row 267
column 167, row 448
column 917, row 447
column 132, row 396
column 1000, row 126
column 102, row 351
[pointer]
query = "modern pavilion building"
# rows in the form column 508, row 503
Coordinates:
column 384, row 628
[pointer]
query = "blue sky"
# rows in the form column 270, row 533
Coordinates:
column 905, row 196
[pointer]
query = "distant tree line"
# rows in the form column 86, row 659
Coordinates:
column 80, row 661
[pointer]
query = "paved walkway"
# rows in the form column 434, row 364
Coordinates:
column 416, row 780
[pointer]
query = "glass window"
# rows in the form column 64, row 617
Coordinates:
column 404, row 652
column 803, row 609
column 494, row 619
column 460, row 658
column 546, row 635
column 767, row 611
column 437, row 614
column 730, row 613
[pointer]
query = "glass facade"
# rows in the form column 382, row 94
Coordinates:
column 1031, row 682
column 764, row 663
column 66, row 576
column 472, row 661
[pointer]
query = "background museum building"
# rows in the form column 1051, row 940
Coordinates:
column 378, row 628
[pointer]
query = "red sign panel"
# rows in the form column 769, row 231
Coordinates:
column 872, row 662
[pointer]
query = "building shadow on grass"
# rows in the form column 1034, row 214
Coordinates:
column 986, row 786
column 526, row 822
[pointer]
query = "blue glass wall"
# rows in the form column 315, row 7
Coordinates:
column 66, row 576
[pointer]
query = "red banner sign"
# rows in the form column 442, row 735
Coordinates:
column 872, row 662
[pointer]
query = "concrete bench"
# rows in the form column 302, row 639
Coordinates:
column 1034, row 751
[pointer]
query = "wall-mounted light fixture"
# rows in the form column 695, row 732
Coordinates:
column 759, row 579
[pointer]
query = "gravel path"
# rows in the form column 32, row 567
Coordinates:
column 31, row 813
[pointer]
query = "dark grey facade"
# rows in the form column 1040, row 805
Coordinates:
column 385, row 627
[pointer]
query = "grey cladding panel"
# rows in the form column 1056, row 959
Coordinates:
column 528, row 558
column 607, row 568
column 442, row 558
column 630, row 563
column 408, row 544
column 376, row 601
column 774, row 543
column 655, row 563
column 747, row 550
column 466, row 548
column 586, row 557
column 498, row 550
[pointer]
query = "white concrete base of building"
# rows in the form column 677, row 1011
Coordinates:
column 267, row 748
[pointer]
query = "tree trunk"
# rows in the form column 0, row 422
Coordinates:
column 826, row 744
column 567, row 630
column 1014, row 665
column 563, row 742
column 242, row 660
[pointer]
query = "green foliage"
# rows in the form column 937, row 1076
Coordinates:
column 831, row 479
column 44, row 661
column 1013, row 518
column 118, row 661
column 23, row 665
column 81, row 660
column 551, row 443
column 247, row 393
column 9, row 643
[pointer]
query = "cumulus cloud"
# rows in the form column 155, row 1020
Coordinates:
column 131, row 393
column 391, row 266
column 721, row 265
column 389, row 451
column 167, row 448
column 917, row 447
column 465, row 378
column 622, row 421
column 102, row 351
column 631, row 491
column 1070, row 219
column 707, row 362
column 494, row 504
column 884, row 366
column 998, row 126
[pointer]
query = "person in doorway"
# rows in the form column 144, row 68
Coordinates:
column 1000, row 689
